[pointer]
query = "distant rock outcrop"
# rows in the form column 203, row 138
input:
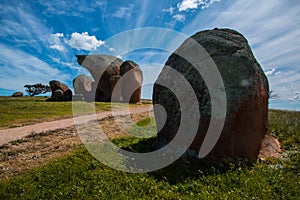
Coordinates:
column 105, row 69
column 246, row 86
column 132, row 80
column 60, row 91
column 17, row 94
column 83, row 86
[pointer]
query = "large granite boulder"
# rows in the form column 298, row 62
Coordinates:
column 83, row 85
column 104, row 69
column 17, row 94
column 60, row 91
column 246, row 87
column 132, row 80
column 116, row 87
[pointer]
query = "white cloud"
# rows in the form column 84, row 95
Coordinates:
column 194, row 4
column 19, row 68
column 57, row 47
column 273, row 31
column 71, row 65
column 285, row 84
column 24, row 56
column 179, row 17
column 270, row 72
column 187, row 4
column 58, row 35
column 80, row 41
column 84, row 41
column 55, row 41
column 286, row 78
column 124, row 11
column 23, row 27
column 296, row 97
column 169, row 10
column 287, row 93
column 278, row 72
column 74, row 8
column 111, row 49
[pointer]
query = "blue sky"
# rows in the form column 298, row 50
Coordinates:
column 38, row 39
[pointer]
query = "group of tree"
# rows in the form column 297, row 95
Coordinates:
column 37, row 89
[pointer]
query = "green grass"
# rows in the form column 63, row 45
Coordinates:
column 29, row 110
column 145, row 128
column 286, row 126
column 80, row 176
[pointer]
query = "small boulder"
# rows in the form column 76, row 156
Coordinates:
column 60, row 91
column 132, row 80
column 17, row 94
column 83, row 85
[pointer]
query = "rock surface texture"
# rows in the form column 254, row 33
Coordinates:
column 246, row 87
column 104, row 69
column 60, row 91
column 132, row 80
column 83, row 85
column 112, row 76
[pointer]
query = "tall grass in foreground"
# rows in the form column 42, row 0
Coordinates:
column 80, row 176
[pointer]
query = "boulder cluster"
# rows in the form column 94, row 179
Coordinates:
column 244, row 127
column 113, row 79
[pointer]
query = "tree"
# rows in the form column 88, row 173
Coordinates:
column 37, row 89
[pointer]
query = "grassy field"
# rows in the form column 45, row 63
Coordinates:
column 80, row 176
column 29, row 110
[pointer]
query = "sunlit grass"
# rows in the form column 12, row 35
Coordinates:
column 80, row 176
column 29, row 110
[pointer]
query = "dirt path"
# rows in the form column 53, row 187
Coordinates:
column 13, row 134
column 37, row 149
